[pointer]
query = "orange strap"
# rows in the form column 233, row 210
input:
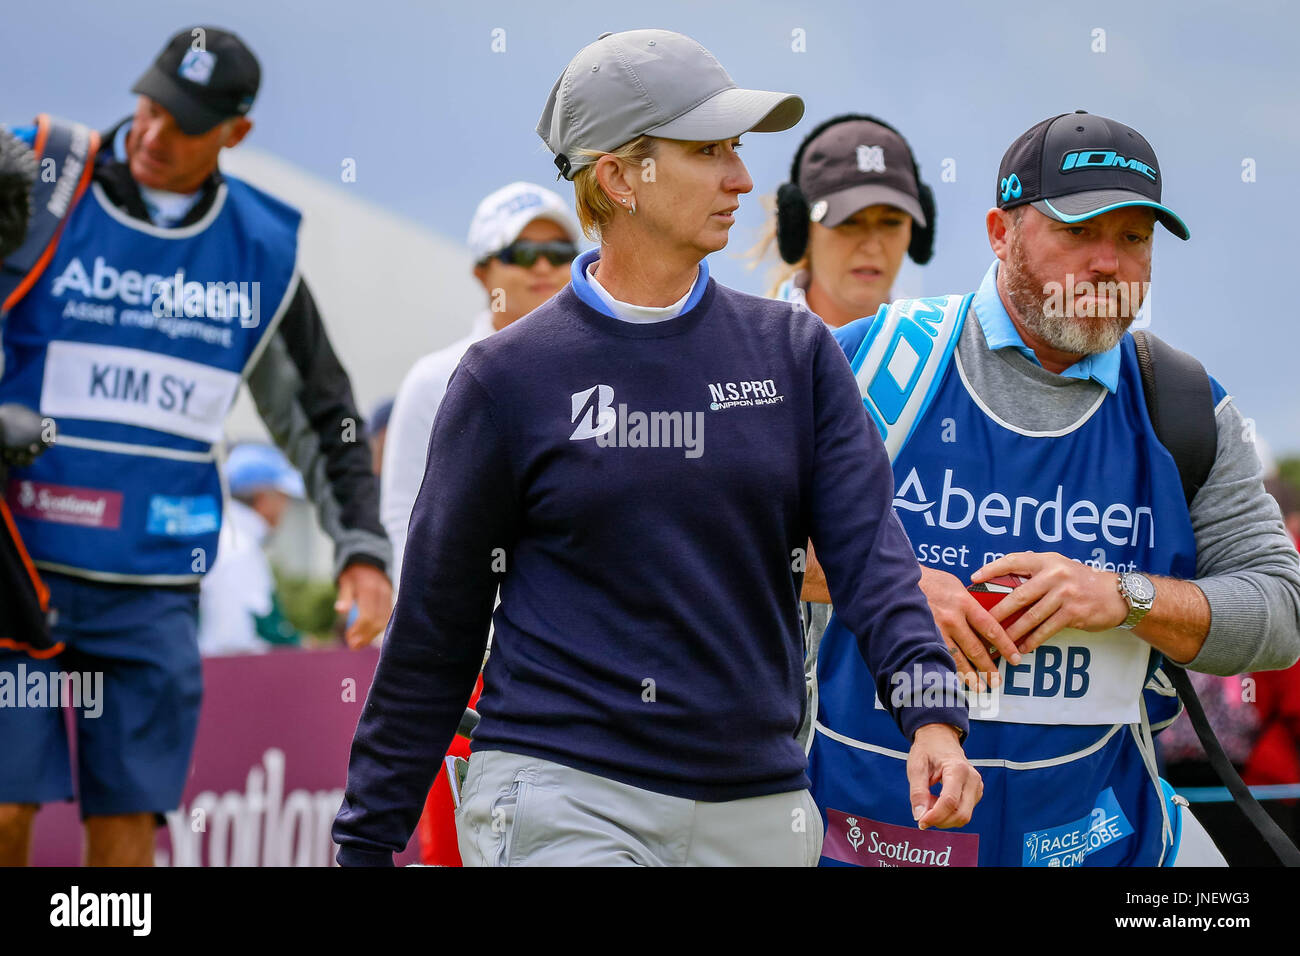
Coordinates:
column 42, row 592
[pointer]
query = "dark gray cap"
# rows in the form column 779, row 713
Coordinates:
column 856, row 164
column 651, row 82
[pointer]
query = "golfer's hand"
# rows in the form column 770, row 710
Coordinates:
column 937, row 757
column 814, row 581
column 967, row 628
column 369, row 589
column 1059, row 593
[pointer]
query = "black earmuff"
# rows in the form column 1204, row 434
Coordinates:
column 922, row 246
column 791, row 222
column 792, row 210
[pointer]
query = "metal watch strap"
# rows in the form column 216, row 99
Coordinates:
column 1136, row 612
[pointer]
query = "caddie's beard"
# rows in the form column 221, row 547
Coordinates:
column 1076, row 335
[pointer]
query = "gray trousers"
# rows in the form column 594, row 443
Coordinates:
column 524, row 811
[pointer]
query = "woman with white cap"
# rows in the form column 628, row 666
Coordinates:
column 522, row 239
column 641, row 701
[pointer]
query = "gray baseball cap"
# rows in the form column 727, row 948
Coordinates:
column 855, row 164
column 653, row 82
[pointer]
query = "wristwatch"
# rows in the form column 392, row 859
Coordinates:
column 1140, row 593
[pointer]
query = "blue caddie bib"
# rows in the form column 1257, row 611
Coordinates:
column 1063, row 748
column 134, row 342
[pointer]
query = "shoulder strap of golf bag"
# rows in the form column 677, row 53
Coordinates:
column 70, row 148
column 1181, row 406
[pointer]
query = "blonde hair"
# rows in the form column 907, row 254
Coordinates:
column 783, row 270
column 595, row 208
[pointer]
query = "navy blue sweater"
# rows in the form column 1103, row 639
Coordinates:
column 649, row 564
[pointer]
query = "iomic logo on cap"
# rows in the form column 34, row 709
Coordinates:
column 1104, row 159
column 1010, row 187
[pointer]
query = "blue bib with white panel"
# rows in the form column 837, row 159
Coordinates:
column 134, row 342
column 1063, row 746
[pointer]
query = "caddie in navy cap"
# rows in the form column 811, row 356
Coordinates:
column 1076, row 165
column 202, row 76
column 1066, row 410
column 179, row 275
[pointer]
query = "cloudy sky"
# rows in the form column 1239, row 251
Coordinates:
column 434, row 118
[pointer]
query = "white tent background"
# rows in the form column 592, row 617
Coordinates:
column 389, row 291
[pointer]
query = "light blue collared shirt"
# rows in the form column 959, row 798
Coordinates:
column 1000, row 333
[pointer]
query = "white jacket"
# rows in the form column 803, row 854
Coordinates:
column 407, row 442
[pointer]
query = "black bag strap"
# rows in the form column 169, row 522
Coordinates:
column 1181, row 406
column 1273, row 835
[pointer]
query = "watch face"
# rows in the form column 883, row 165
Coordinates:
column 1142, row 590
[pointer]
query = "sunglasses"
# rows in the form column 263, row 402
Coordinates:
column 526, row 252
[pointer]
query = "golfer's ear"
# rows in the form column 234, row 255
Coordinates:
column 613, row 180
column 239, row 128
column 481, row 273
column 999, row 226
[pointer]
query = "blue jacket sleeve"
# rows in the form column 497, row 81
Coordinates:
column 871, row 569
column 437, row 635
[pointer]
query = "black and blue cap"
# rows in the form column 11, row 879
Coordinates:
column 1077, row 165
column 203, row 76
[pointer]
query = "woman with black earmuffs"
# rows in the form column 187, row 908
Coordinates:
column 854, row 206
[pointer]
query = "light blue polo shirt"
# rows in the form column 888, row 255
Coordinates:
column 1000, row 333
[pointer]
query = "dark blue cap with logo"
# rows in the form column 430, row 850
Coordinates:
column 1077, row 165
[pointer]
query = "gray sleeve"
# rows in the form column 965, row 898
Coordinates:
column 305, row 398
column 1246, row 564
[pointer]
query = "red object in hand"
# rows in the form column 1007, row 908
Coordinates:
column 991, row 592
column 437, row 826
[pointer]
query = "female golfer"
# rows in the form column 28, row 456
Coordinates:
column 650, row 453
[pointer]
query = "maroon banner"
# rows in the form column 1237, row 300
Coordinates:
column 864, row 842
column 269, row 766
